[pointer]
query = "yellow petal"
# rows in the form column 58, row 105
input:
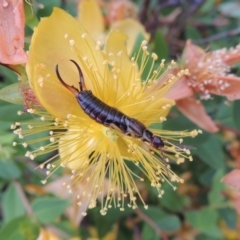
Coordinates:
column 91, row 18
column 47, row 235
column 55, row 41
column 150, row 112
column 117, row 52
column 132, row 29
column 75, row 154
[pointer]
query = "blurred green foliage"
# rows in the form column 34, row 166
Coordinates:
column 200, row 210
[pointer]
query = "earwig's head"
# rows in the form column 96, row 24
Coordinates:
column 157, row 142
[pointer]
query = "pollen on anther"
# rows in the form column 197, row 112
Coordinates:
column 44, row 182
column 85, row 58
column 84, row 35
column 49, row 165
column 72, row 42
column 105, row 62
column 154, row 56
column 30, row 110
column 162, row 119
column 69, row 116
column 24, row 144
column 119, row 53
column 40, row 81
column 27, row 154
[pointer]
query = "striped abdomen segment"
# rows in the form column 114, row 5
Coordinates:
column 100, row 111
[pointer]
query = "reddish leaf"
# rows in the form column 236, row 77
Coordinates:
column 12, row 32
column 233, row 179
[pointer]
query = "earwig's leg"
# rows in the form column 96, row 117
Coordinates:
column 70, row 88
column 81, row 79
column 132, row 134
column 115, row 127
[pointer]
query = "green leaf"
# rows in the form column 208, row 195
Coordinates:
column 8, row 113
column 6, row 138
column 149, row 233
column 181, row 123
column 229, row 215
column 137, row 44
column 224, row 115
column 9, row 170
column 165, row 221
column 206, row 7
column 205, row 237
column 192, row 32
column 205, row 220
column 171, row 199
column 22, row 228
column 160, row 45
column 206, row 176
column 215, row 195
column 211, row 152
column 47, row 7
column 8, row 76
column 11, row 94
column 12, row 205
column 6, row 152
column 4, row 126
column 47, row 209
column 236, row 113
column 104, row 223
column 230, row 9
column 31, row 19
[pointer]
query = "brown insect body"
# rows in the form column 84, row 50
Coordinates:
column 110, row 116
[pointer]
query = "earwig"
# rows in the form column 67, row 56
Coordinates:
column 110, row 116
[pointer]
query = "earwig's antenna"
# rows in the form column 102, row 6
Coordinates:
column 72, row 89
column 81, row 79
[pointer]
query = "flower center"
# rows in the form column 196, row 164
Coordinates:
column 109, row 133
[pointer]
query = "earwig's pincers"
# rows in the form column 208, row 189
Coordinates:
column 74, row 90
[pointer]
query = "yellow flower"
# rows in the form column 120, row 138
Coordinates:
column 118, row 19
column 90, row 150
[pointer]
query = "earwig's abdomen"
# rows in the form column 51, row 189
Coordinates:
column 100, row 111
